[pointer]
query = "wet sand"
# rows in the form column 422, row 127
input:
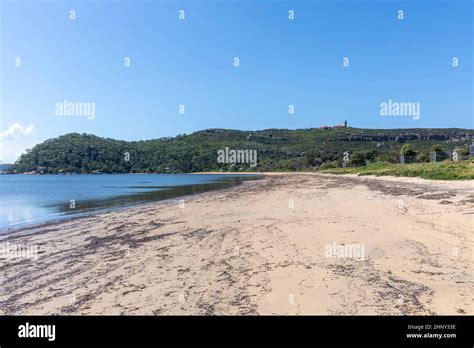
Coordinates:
column 258, row 248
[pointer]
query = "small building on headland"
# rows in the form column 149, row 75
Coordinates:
column 336, row 126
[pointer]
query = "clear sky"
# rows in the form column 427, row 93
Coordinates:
column 191, row 62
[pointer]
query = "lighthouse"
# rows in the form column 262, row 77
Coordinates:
column 345, row 124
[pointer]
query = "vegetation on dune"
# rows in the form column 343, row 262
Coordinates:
column 446, row 170
column 277, row 149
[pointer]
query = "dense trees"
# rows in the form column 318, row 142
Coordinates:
column 277, row 149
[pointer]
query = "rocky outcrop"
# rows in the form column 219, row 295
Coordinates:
column 442, row 135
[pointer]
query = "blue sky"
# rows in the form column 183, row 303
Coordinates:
column 190, row 62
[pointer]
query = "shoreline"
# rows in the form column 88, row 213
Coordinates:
column 90, row 214
column 258, row 248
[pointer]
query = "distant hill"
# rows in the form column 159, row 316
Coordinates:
column 277, row 149
column 4, row 167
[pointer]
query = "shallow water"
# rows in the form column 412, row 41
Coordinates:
column 31, row 199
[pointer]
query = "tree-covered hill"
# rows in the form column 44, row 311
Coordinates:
column 277, row 149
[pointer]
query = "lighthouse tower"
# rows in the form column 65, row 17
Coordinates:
column 345, row 124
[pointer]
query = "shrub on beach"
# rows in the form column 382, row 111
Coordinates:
column 357, row 159
column 407, row 150
column 327, row 166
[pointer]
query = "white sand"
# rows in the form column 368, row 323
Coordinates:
column 258, row 249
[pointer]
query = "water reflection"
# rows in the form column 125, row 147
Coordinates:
column 30, row 199
column 151, row 194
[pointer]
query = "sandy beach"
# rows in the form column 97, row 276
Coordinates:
column 258, row 248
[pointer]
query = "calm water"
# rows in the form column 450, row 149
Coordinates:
column 30, row 199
